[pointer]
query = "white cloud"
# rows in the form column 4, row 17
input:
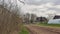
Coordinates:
column 39, row 7
column 42, row 10
column 39, row 2
column 57, row 6
column 51, row 12
column 49, row 5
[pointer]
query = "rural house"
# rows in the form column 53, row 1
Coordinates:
column 41, row 19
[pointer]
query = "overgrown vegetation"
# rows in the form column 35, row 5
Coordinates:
column 10, row 23
column 10, row 19
column 24, row 31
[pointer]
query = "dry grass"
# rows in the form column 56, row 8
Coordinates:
column 9, row 22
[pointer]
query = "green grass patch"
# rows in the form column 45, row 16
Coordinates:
column 24, row 31
column 45, row 24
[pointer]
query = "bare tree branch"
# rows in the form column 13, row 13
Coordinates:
column 21, row 2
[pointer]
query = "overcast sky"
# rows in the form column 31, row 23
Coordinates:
column 41, row 7
column 38, row 7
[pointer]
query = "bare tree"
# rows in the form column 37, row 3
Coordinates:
column 26, row 18
column 33, row 18
column 9, row 22
column 22, row 1
column 50, row 16
column 29, row 18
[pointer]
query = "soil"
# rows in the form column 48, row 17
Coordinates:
column 34, row 29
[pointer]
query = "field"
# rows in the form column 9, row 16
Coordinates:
column 41, row 28
column 37, row 29
column 45, row 24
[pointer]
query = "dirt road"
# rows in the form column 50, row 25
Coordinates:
column 34, row 29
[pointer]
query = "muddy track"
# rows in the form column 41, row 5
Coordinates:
column 29, row 30
column 42, row 30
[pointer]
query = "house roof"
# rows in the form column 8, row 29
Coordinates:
column 41, row 18
column 56, row 17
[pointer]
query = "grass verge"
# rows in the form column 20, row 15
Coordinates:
column 24, row 31
column 53, row 25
